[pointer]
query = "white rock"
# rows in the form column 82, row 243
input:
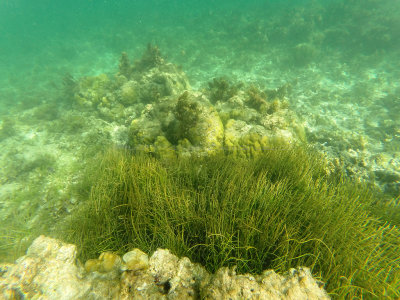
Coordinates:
column 50, row 270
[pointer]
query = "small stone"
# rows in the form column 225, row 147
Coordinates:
column 109, row 262
column 136, row 260
column 92, row 265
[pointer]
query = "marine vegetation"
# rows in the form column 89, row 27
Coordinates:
column 220, row 89
column 256, row 98
column 7, row 128
column 125, row 65
column 266, row 101
column 187, row 116
column 151, row 58
column 278, row 210
column 69, row 87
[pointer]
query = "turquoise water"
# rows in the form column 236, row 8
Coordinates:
column 41, row 42
column 339, row 58
column 45, row 39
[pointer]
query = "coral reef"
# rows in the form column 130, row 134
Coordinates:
column 155, row 100
column 153, row 109
column 340, row 57
column 148, row 81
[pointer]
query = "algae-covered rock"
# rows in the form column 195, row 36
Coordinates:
column 187, row 123
column 50, row 270
column 254, row 120
column 109, row 262
column 128, row 93
column 136, row 260
column 239, row 125
column 244, row 140
column 296, row 284
column 92, row 91
column 165, row 80
column 172, row 278
column 198, row 122
column 149, row 80
column 154, row 100
column 192, row 124
column 220, row 89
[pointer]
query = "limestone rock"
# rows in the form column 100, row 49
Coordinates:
column 50, row 270
column 48, row 263
column 297, row 284
column 187, row 122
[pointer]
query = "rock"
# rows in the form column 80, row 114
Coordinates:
column 107, row 263
column 50, row 270
column 136, row 260
column 169, row 115
column 168, row 277
column 296, row 284
column 187, row 123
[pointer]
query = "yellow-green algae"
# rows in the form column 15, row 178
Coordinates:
column 106, row 262
column 278, row 210
column 243, row 192
column 93, row 91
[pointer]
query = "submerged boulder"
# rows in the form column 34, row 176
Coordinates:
column 50, row 270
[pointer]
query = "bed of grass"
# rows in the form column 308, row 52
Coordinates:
column 279, row 210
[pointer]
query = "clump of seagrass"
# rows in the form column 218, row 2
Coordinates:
column 220, row 89
column 279, row 210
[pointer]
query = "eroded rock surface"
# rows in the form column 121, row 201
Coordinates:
column 50, row 270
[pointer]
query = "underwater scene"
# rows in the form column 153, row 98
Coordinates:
column 260, row 134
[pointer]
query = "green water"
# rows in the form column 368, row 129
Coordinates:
column 338, row 61
column 41, row 41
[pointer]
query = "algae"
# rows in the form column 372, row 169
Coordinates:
column 278, row 210
column 220, row 89
column 7, row 127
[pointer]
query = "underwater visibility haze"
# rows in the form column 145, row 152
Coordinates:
column 257, row 134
